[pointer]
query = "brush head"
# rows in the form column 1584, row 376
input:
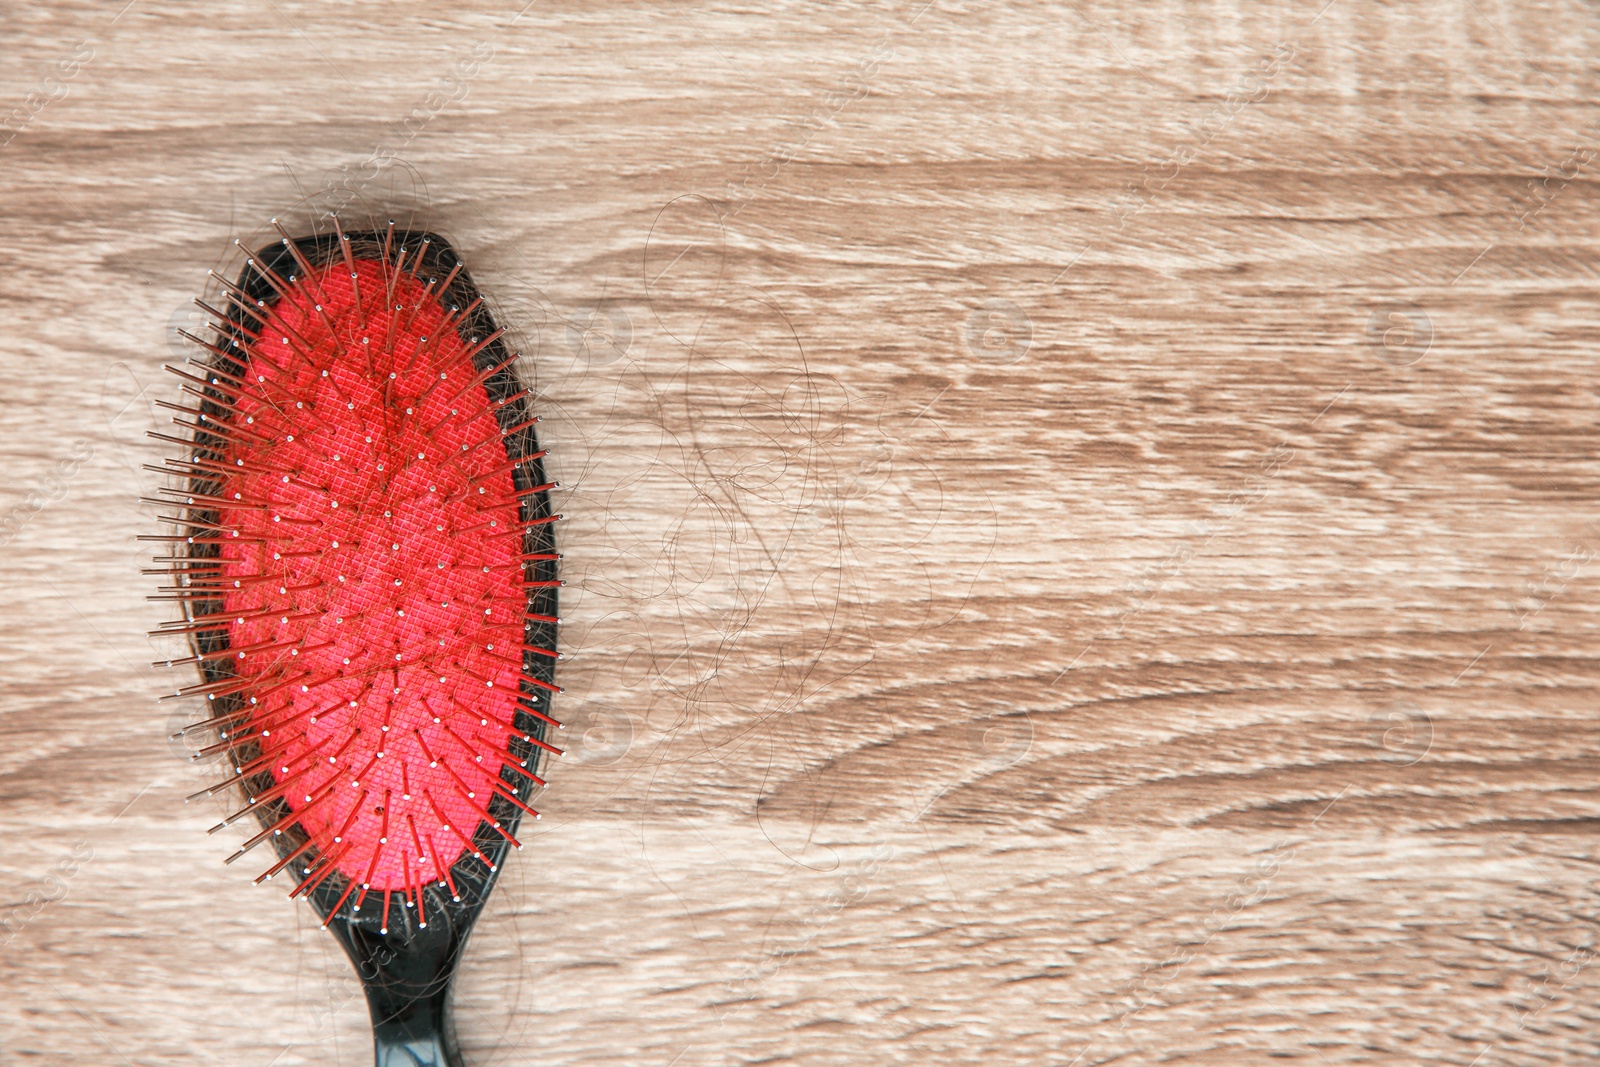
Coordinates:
column 367, row 569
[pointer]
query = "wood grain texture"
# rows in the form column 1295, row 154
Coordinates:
column 1082, row 522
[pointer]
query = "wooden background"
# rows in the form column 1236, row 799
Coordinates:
column 1082, row 535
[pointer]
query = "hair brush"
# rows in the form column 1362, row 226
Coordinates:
column 364, row 562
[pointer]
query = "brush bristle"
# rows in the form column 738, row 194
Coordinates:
column 358, row 589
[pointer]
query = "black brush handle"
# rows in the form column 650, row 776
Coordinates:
column 407, row 976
